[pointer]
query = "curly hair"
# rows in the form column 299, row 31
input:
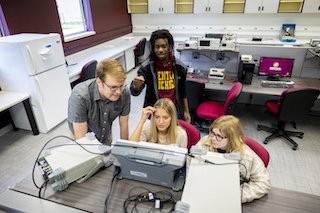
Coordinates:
column 164, row 34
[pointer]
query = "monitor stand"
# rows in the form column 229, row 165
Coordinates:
column 273, row 77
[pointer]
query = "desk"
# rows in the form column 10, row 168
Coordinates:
column 120, row 49
column 10, row 99
column 205, row 59
column 255, row 87
column 209, row 186
column 90, row 196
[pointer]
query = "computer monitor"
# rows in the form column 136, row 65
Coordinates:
column 151, row 162
column 275, row 68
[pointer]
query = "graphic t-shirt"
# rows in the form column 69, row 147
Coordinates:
column 166, row 81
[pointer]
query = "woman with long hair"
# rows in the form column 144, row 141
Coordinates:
column 226, row 136
column 163, row 127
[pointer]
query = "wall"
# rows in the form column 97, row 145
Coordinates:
column 110, row 20
column 307, row 25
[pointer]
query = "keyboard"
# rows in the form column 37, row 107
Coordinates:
column 277, row 84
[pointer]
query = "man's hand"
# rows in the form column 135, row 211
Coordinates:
column 137, row 82
column 187, row 117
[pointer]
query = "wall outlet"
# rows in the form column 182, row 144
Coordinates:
column 195, row 55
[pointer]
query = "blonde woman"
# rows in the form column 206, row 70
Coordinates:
column 163, row 126
column 226, row 136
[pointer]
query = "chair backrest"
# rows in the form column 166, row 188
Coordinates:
column 192, row 133
column 296, row 102
column 195, row 93
column 259, row 150
column 88, row 70
column 141, row 51
column 232, row 97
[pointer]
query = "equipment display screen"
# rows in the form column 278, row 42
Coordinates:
column 276, row 66
column 204, row 43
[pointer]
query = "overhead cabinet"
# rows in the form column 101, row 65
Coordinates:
column 261, row 6
column 137, row 6
column 290, row 6
column 311, row 6
column 208, row 6
column 184, row 6
column 160, row 6
column 233, row 6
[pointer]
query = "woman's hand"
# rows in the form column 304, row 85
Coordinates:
column 146, row 112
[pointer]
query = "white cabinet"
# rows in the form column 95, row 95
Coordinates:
column 160, row 6
column 311, row 6
column 261, row 6
column 208, row 6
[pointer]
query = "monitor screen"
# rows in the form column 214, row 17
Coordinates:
column 276, row 66
column 204, row 43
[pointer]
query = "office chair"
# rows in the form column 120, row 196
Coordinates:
column 195, row 95
column 211, row 110
column 192, row 133
column 292, row 106
column 259, row 150
column 88, row 71
column 141, row 51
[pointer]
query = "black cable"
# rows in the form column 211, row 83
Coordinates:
column 115, row 175
column 36, row 161
column 44, row 185
column 164, row 197
column 59, row 136
column 218, row 164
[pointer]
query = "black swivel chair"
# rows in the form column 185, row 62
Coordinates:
column 293, row 105
column 195, row 94
column 88, row 71
column 141, row 51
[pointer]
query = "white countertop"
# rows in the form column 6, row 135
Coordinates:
column 111, row 49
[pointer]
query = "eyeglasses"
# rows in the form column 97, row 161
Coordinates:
column 216, row 136
column 115, row 88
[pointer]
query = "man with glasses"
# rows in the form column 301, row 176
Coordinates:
column 95, row 103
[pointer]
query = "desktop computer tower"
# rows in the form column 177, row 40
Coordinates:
column 245, row 72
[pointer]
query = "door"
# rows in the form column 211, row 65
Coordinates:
column 253, row 6
column 215, row 6
column 270, row 6
column 167, row 6
column 50, row 92
column 160, row 6
column 311, row 6
column 208, row 6
column 200, row 6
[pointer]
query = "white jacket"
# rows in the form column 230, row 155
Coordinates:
column 255, row 183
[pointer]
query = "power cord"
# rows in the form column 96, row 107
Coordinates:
column 157, row 200
column 115, row 175
column 219, row 164
column 46, row 180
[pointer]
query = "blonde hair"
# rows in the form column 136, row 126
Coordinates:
column 111, row 67
column 230, row 127
column 170, row 108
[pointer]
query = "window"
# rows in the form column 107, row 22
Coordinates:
column 75, row 18
column 3, row 24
